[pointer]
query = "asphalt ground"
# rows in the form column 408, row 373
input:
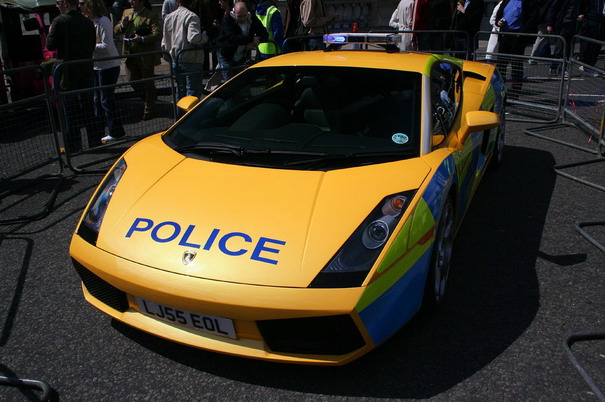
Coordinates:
column 522, row 280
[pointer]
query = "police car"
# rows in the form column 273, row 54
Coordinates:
column 304, row 211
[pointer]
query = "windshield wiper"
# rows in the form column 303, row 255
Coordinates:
column 328, row 159
column 219, row 147
column 212, row 147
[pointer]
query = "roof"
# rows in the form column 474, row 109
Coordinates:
column 353, row 58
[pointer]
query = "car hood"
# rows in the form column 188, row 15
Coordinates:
column 241, row 224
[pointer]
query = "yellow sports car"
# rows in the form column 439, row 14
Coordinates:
column 304, row 211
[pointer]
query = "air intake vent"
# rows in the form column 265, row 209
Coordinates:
column 102, row 290
column 332, row 335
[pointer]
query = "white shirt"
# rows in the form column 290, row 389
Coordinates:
column 181, row 32
column 105, row 46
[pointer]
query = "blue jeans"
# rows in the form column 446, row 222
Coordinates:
column 104, row 101
column 189, row 79
column 229, row 67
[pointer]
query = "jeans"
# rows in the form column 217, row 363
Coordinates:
column 189, row 79
column 78, row 113
column 228, row 66
column 104, row 101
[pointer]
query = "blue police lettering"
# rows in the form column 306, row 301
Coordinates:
column 231, row 244
column 174, row 235
column 260, row 246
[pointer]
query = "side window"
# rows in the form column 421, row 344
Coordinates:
column 446, row 94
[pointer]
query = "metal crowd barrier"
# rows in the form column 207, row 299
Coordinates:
column 29, row 384
column 567, row 347
column 584, row 101
column 86, row 153
column 32, row 169
column 536, row 85
column 586, row 93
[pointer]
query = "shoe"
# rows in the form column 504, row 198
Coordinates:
column 581, row 68
column 109, row 138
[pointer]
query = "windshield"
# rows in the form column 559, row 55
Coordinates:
column 306, row 118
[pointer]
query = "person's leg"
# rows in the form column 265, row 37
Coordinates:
column 504, row 48
column 150, row 91
column 179, row 73
column 71, row 132
column 110, row 76
column 193, row 78
column 134, row 73
column 225, row 66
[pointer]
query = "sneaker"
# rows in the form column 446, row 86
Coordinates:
column 108, row 138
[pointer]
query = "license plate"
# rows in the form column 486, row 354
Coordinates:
column 201, row 322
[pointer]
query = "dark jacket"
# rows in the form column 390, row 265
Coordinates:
column 562, row 12
column 74, row 37
column 231, row 35
column 470, row 20
column 529, row 12
column 593, row 10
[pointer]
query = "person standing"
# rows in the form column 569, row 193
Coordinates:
column 562, row 19
column 241, row 32
column 73, row 36
column 432, row 15
column 403, row 20
column 210, row 13
column 270, row 17
column 105, row 72
column 492, row 43
column 142, row 33
column 592, row 26
column 515, row 16
column 315, row 21
column 182, row 38
column 467, row 17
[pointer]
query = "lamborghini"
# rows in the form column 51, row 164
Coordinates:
column 304, row 211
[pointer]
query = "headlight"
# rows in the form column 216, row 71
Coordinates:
column 93, row 217
column 353, row 261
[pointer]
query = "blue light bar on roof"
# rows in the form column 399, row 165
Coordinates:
column 369, row 38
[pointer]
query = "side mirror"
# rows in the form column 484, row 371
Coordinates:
column 477, row 121
column 187, row 103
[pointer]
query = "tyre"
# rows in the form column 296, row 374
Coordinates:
column 439, row 268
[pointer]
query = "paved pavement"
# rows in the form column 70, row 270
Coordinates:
column 522, row 280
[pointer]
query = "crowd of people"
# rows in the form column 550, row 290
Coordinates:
column 192, row 30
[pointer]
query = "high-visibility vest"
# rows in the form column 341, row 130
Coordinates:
column 268, row 48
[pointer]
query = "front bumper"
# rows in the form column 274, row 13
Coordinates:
column 296, row 325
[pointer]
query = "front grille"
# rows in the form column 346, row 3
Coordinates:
column 331, row 335
column 101, row 290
